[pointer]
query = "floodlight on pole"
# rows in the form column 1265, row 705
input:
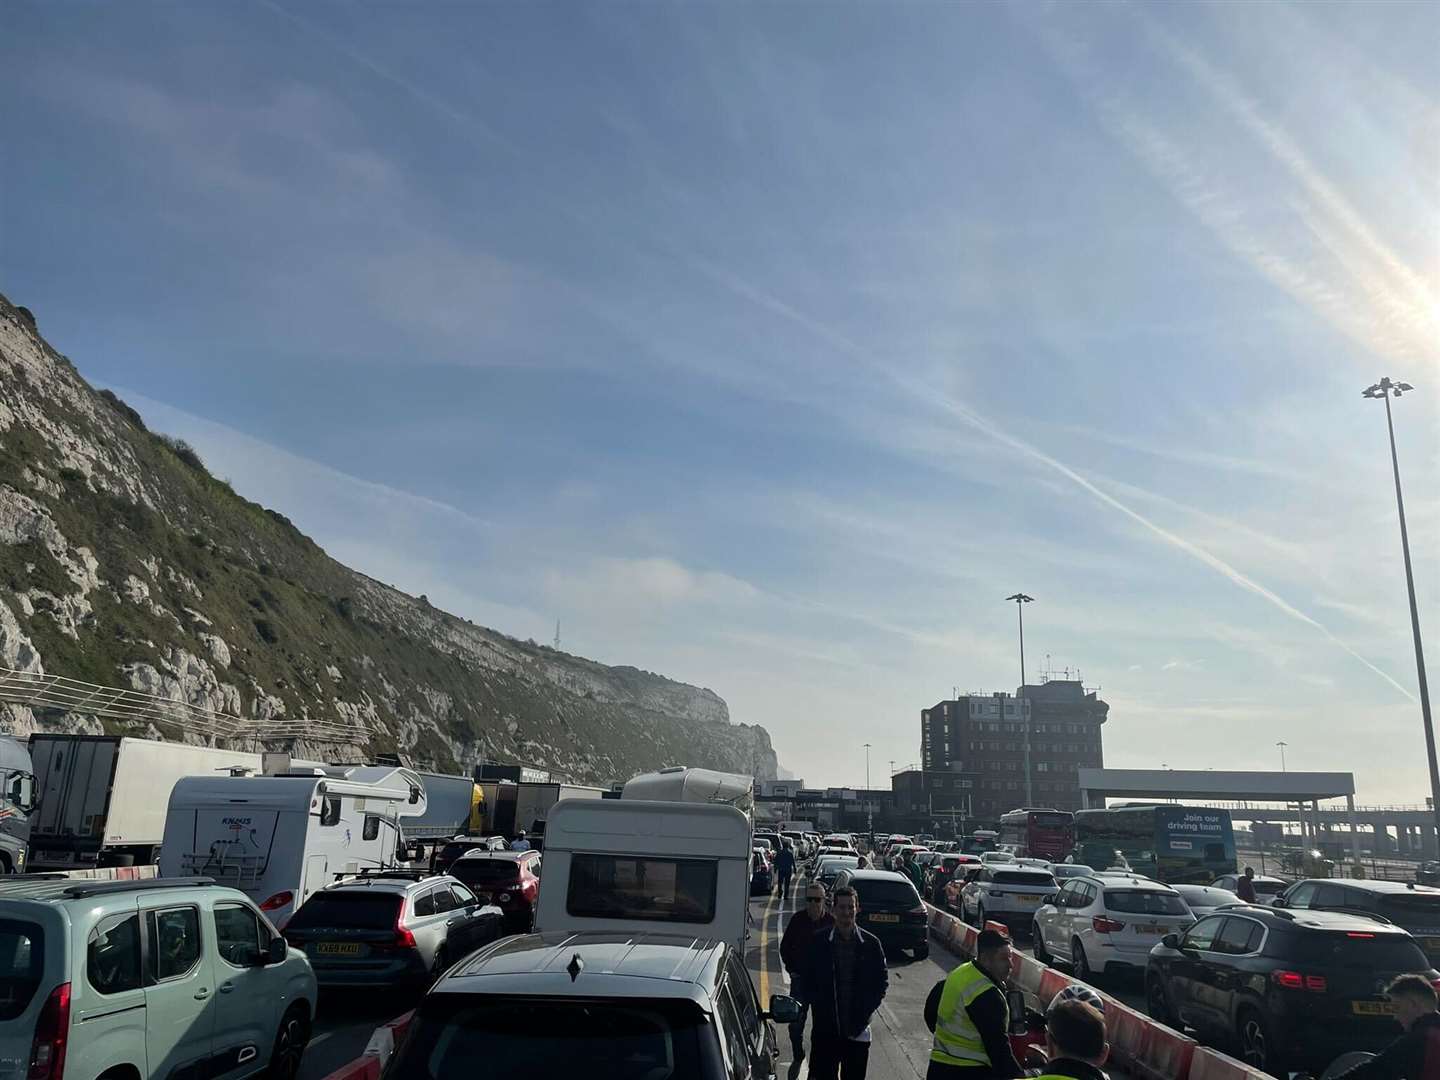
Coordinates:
column 1386, row 389
column 1021, row 600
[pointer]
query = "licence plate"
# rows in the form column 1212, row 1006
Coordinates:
column 1430, row 944
column 884, row 918
column 1030, row 899
column 1372, row 1008
column 1149, row 929
column 338, row 948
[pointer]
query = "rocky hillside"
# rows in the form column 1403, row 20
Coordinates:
column 123, row 562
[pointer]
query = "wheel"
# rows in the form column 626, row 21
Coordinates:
column 1155, row 1003
column 1041, row 953
column 922, row 952
column 290, row 1043
column 1080, row 963
column 439, row 964
column 1257, row 1048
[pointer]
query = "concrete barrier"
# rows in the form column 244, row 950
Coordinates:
column 110, row 873
column 1207, row 1064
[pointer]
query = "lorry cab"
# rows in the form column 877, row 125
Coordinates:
column 17, row 801
column 628, row 866
column 280, row 838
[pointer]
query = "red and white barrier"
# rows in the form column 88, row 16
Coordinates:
column 377, row 1051
column 110, row 873
column 1207, row 1064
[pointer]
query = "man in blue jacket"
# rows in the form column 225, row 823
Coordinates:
column 843, row 981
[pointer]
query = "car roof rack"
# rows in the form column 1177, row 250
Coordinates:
column 409, row 873
column 104, row 888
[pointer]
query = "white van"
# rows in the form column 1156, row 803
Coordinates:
column 623, row 865
column 280, row 838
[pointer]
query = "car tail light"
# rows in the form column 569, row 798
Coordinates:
column 1356, row 933
column 279, row 900
column 1105, row 925
column 47, row 1051
column 1294, row 980
column 1436, row 984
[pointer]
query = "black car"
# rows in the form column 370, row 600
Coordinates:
column 1283, row 989
column 1428, row 874
column 1415, row 908
column 464, row 845
column 890, row 908
column 762, row 877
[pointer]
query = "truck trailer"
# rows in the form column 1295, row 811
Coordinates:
column 102, row 798
column 17, row 803
column 455, row 806
column 511, row 807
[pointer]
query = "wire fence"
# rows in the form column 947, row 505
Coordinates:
column 139, row 709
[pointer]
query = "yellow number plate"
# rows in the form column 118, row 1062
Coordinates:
column 338, row 948
column 1372, row 1008
column 884, row 918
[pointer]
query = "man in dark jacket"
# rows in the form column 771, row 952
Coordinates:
column 1416, row 1054
column 843, row 981
column 1075, row 1039
column 800, row 931
column 785, row 868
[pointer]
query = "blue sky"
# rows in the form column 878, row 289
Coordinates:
column 772, row 346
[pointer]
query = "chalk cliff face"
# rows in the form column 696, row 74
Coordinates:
column 123, row 562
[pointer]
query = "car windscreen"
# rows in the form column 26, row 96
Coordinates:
column 1037, row 879
column 1412, row 908
column 630, row 1039
column 642, row 887
column 886, row 895
column 485, row 871
column 1144, row 902
column 1383, row 953
column 353, row 910
column 22, row 961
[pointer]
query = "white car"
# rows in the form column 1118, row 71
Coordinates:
column 1205, row 900
column 1005, row 894
column 1101, row 923
column 989, row 858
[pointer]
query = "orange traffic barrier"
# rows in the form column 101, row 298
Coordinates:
column 999, row 928
column 362, row 1068
column 1164, row 1052
column 1207, row 1064
column 1051, row 983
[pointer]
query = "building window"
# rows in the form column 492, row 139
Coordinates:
column 1011, row 786
column 1042, row 766
column 994, row 766
column 1011, row 766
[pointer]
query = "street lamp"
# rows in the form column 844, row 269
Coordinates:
column 869, row 806
column 1020, row 601
column 1282, row 744
column 1384, row 389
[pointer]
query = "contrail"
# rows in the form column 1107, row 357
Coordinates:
column 930, row 396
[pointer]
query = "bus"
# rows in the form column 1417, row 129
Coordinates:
column 1041, row 834
column 981, row 841
column 1164, row 841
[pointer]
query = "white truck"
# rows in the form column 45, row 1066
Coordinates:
column 101, row 798
column 279, row 838
column 676, row 866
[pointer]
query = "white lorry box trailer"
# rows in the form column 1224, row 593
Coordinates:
column 623, row 865
column 102, row 798
column 280, row 838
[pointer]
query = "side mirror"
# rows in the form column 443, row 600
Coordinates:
column 1171, row 941
column 1019, row 1022
column 1279, row 901
column 277, row 952
column 783, row 1010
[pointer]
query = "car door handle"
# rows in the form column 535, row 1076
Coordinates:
column 202, row 993
column 225, row 988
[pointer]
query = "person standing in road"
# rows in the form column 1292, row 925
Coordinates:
column 1245, row 887
column 800, row 931
column 911, row 869
column 785, row 869
column 1416, row 1054
column 520, row 843
column 1075, row 1040
column 843, row 981
column 970, row 1017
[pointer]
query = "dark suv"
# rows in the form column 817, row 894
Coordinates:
column 1415, row 908
column 1284, row 989
column 890, row 908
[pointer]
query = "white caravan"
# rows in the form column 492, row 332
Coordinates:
column 280, row 838
column 671, row 855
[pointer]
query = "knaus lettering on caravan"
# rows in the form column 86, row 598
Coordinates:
column 281, row 837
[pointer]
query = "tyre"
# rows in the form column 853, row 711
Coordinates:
column 290, row 1043
column 1258, row 1048
column 1156, row 1003
column 439, row 964
column 922, row 952
column 1080, row 963
column 1042, row 954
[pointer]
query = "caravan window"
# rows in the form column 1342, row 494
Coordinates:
column 642, row 887
column 372, row 827
column 330, row 810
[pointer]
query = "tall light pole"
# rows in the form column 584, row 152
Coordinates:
column 1020, row 601
column 869, row 806
column 1384, row 389
column 1282, row 744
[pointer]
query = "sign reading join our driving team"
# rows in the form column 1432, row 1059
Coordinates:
column 1188, row 828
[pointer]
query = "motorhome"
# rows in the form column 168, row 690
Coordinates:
column 674, row 865
column 281, row 837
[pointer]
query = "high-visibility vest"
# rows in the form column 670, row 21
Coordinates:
column 957, row 1040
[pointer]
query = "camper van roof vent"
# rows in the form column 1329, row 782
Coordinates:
column 674, row 768
column 575, row 966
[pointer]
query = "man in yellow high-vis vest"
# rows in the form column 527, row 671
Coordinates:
column 970, row 1017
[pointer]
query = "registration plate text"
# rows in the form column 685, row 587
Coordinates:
column 338, row 948
column 1372, row 1008
column 884, row 918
